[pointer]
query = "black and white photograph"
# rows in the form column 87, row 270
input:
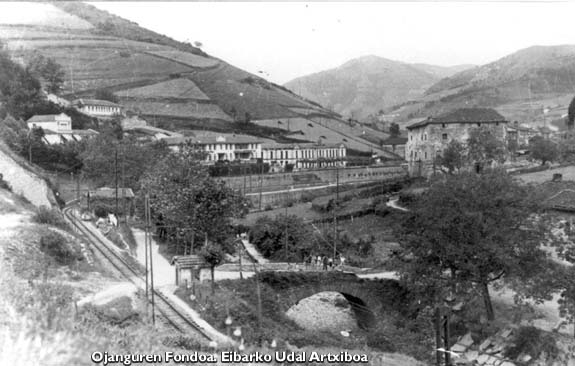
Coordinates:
column 287, row 183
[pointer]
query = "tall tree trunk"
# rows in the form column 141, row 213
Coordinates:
column 487, row 301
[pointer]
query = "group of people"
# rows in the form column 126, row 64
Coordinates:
column 325, row 262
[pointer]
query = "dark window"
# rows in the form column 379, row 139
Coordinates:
column 444, row 136
column 443, row 125
column 478, row 124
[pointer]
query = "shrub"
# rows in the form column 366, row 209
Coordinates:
column 100, row 211
column 4, row 184
column 57, row 247
column 380, row 342
column 50, row 216
column 531, row 341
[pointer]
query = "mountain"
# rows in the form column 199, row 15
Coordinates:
column 368, row 84
column 172, row 84
column 520, row 86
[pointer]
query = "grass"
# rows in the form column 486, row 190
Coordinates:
column 187, row 58
column 181, row 88
column 182, row 109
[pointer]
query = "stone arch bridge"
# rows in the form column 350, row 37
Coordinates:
column 369, row 299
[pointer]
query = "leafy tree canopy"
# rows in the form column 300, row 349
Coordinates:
column 543, row 149
column 471, row 230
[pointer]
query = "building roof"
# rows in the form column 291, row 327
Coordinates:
column 398, row 140
column 188, row 260
column 88, row 132
column 310, row 145
column 45, row 117
column 98, row 102
column 463, row 115
column 177, row 140
column 107, row 192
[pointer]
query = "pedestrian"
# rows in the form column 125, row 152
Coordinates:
column 342, row 260
column 330, row 262
column 325, row 263
column 318, row 261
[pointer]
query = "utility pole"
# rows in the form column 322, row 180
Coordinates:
column 286, row 234
column 261, row 181
column 335, row 213
column 124, row 188
column 149, row 243
column 116, row 177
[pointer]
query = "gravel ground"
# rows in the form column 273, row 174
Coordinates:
column 328, row 311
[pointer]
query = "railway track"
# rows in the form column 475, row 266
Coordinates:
column 171, row 311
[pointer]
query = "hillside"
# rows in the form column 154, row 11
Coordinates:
column 368, row 84
column 519, row 85
column 170, row 83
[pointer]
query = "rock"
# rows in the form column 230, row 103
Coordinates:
column 115, row 304
column 482, row 359
column 466, row 340
column 472, row 355
column 458, row 348
column 506, row 333
column 524, row 358
column 484, row 344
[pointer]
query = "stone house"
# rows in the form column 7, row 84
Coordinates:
column 520, row 134
column 395, row 145
column 427, row 139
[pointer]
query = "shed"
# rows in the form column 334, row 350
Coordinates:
column 106, row 197
column 190, row 268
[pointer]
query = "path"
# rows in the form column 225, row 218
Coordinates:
column 253, row 252
column 393, row 204
column 164, row 273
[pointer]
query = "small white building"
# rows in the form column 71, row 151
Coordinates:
column 52, row 122
column 221, row 148
column 58, row 128
column 303, row 156
column 97, row 108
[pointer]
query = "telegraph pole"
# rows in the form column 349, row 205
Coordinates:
column 149, row 243
column 116, row 177
column 335, row 213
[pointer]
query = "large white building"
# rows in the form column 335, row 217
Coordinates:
column 303, row 156
column 97, row 108
column 221, row 148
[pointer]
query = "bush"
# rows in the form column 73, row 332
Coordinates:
column 57, row 247
column 531, row 341
column 380, row 342
column 50, row 216
column 100, row 211
column 4, row 184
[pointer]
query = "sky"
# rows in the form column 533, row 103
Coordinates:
column 284, row 40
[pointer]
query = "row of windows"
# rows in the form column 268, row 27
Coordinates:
column 212, row 147
column 305, row 154
column 372, row 174
column 97, row 108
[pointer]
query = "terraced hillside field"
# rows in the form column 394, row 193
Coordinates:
column 163, row 79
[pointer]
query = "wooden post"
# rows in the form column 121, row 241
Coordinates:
column 446, row 338
column 438, row 340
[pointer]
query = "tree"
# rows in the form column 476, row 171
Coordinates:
column 47, row 69
column 213, row 254
column 543, row 149
column 484, row 148
column 134, row 159
column 394, row 130
column 453, row 157
column 184, row 195
column 472, row 230
column 269, row 236
column 571, row 114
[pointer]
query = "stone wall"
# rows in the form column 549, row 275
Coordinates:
column 23, row 180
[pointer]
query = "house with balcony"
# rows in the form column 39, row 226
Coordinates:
column 297, row 157
column 240, row 149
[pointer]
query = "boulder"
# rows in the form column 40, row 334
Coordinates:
column 115, row 304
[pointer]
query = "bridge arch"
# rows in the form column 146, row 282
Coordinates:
column 367, row 298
